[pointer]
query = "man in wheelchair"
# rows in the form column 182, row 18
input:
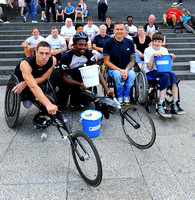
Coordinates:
column 32, row 74
column 165, row 78
column 70, row 77
column 119, row 58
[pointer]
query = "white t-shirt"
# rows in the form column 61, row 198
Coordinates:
column 67, row 32
column 148, row 54
column 132, row 29
column 55, row 43
column 3, row 1
column 91, row 31
column 153, row 29
column 32, row 41
column 129, row 37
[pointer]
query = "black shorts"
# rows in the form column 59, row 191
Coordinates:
column 169, row 21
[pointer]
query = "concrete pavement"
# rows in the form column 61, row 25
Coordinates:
column 35, row 169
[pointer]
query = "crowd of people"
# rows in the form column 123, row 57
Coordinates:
column 119, row 45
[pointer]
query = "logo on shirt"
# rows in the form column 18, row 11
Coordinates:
column 128, row 49
column 40, row 69
column 92, row 58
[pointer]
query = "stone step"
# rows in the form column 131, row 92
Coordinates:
column 12, row 54
column 180, row 45
column 6, row 70
column 180, row 51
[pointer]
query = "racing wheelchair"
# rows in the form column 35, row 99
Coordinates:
column 84, row 152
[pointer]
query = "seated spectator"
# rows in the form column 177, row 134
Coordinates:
column 132, row 28
column 102, row 9
column 84, row 8
column 151, row 27
column 67, row 30
column 127, row 33
column 172, row 15
column 109, row 26
column 78, row 28
column 42, row 4
column 79, row 11
column 90, row 29
column 141, row 42
column 69, row 12
column 98, row 43
column 57, row 43
column 31, row 43
column 59, row 13
column 166, row 78
column 188, row 21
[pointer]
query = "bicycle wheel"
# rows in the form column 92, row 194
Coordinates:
column 86, row 158
column 138, row 127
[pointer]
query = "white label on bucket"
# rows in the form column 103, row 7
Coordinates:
column 95, row 128
column 163, row 62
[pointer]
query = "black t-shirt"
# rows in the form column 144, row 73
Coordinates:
column 119, row 52
column 109, row 31
column 99, row 40
column 37, row 71
column 142, row 47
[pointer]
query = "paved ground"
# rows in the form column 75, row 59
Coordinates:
column 35, row 169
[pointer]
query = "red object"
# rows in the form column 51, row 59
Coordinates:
column 171, row 12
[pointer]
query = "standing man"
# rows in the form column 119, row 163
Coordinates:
column 172, row 15
column 102, row 9
column 32, row 73
column 50, row 4
column 119, row 58
column 30, row 9
column 57, row 43
column 3, row 4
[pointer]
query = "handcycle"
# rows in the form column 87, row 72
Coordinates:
column 84, row 152
column 136, row 123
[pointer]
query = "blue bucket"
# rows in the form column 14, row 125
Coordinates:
column 91, row 121
column 164, row 64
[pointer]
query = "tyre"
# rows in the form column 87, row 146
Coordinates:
column 89, row 163
column 12, row 103
column 138, row 127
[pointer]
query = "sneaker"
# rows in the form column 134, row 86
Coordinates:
column 82, row 20
column 42, row 19
column 75, row 20
column 34, row 21
column 1, row 20
column 127, row 100
column 162, row 111
column 165, row 24
column 24, row 19
column 6, row 22
column 175, row 109
column 120, row 100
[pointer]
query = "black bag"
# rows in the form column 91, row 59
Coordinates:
column 27, row 1
column 179, row 27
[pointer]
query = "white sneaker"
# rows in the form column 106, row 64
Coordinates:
column 127, row 100
column 6, row 22
column 120, row 100
column 34, row 21
column 1, row 20
column 42, row 19
column 24, row 19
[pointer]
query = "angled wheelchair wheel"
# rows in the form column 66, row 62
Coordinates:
column 12, row 103
column 142, row 87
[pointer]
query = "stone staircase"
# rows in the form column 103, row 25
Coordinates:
column 181, row 44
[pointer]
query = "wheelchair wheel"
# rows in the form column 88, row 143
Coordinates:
column 142, row 87
column 138, row 127
column 86, row 158
column 12, row 103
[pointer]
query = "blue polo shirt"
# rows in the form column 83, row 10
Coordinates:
column 69, row 10
column 119, row 52
column 99, row 40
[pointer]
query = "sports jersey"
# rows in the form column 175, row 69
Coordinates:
column 32, row 41
column 67, row 32
column 171, row 12
column 70, row 61
column 55, row 43
column 148, row 54
column 91, row 31
column 119, row 52
column 37, row 71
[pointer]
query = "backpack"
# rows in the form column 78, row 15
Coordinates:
column 27, row 1
column 179, row 27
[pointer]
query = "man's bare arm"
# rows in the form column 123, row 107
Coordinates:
column 131, row 63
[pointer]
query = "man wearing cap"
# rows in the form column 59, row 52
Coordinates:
column 172, row 15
